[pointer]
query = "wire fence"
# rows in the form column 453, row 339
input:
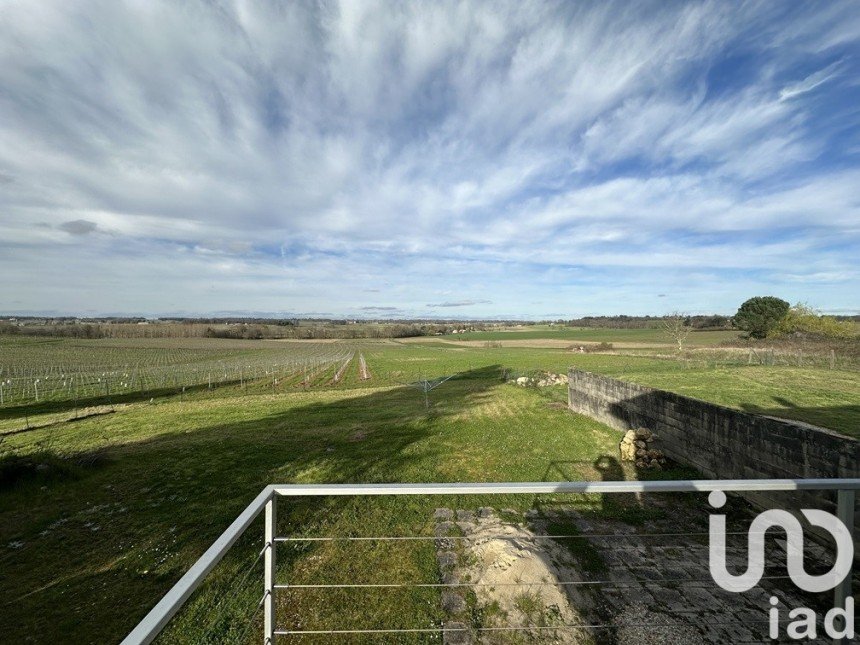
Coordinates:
column 811, row 358
column 23, row 386
column 653, row 583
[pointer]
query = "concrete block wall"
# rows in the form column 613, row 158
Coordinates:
column 720, row 442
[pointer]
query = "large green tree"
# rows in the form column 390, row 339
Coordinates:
column 759, row 315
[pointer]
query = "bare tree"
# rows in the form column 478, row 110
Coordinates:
column 675, row 325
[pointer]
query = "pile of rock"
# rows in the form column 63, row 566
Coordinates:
column 637, row 446
column 544, row 380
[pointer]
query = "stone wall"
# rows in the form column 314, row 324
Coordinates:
column 720, row 442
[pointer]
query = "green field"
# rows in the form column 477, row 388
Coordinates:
column 100, row 515
column 164, row 366
column 155, row 484
column 654, row 336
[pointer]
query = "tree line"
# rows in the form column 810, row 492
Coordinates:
column 701, row 322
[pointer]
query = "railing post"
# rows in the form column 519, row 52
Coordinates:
column 845, row 512
column 269, row 571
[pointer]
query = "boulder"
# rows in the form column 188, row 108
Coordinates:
column 627, row 447
column 628, row 451
column 637, row 446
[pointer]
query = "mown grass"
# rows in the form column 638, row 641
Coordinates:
column 85, row 556
column 127, row 501
column 824, row 397
column 654, row 336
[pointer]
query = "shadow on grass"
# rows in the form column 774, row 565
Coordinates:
column 65, row 405
column 45, row 466
column 632, row 508
column 111, row 541
column 844, row 419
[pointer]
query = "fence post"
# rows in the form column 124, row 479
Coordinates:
column 269, row 572
column 845, row 512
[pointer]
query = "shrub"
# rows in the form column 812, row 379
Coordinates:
column 804, row 321
column 600, row 347
column 8, row 328
column 590, row 347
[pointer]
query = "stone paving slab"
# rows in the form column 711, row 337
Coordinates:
column 650, row 593
column 714, row 615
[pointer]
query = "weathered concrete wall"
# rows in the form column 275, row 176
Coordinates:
column 720, row 442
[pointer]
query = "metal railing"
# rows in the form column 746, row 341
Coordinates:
column 155, row 621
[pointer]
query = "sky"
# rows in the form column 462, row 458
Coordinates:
column 428, row 159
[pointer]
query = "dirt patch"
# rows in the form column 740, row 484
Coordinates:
column 518, row 582
column 363, row 371
column 520, row 579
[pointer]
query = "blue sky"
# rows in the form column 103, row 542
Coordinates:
column 520, row 159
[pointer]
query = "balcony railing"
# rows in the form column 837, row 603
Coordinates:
column 266, row 502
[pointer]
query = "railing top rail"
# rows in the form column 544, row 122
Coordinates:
column 148, row 628
column 157, row 618
column 667, row 486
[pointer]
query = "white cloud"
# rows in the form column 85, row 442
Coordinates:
column 257, row 153
column 810, row 82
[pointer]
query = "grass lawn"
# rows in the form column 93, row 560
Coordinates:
column 88, row 551
column 830, row 399
column 122, row 503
